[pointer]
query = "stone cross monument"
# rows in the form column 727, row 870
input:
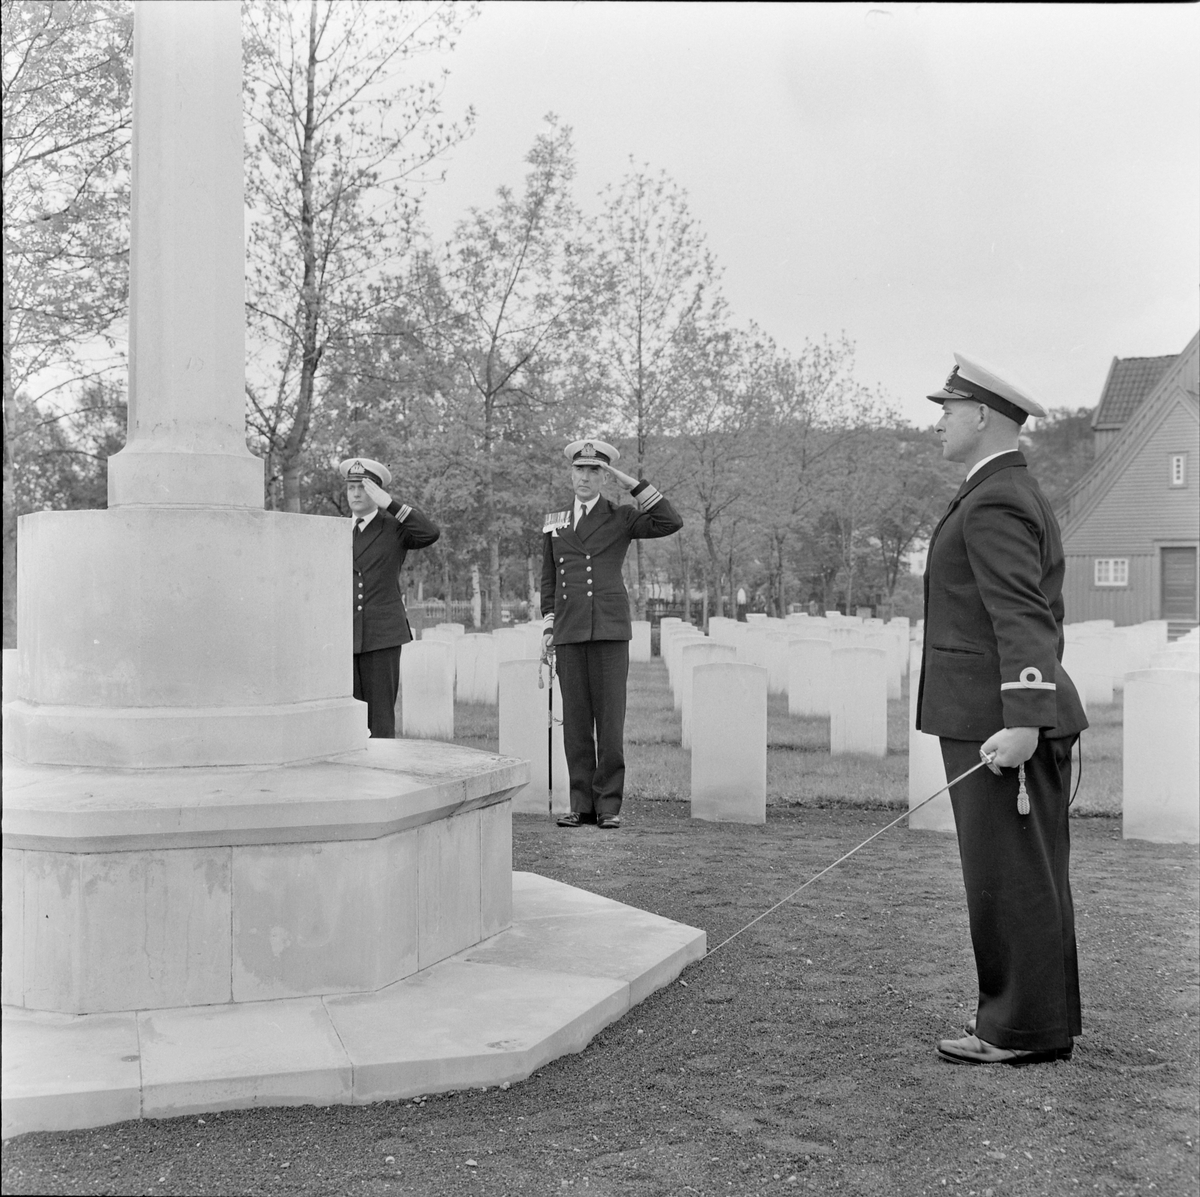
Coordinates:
column 185, row 625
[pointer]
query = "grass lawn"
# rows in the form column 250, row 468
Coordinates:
column 800, row 770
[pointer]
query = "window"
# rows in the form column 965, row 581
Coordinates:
column 1112, row 571
column 1178, row 469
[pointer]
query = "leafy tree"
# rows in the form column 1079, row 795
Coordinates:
column 1060, row 449
column 916, row 486
column 342, row 131
column 66, row 121
column 660, row 283
column 502, row 305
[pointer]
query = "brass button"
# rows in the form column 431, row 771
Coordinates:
column 588, row 557
column 589, row 569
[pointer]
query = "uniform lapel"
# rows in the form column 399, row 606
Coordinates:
column 594, row 519
column 969, row 484
column 366, row 536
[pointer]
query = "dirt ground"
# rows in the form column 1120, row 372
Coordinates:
column 797, row 1058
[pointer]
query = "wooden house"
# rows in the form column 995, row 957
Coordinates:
column 1131, row 528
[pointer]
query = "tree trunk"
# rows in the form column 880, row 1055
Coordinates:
column 310, row 297
column 476, row 598
column 494, row 597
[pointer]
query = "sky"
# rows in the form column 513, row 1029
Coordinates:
column 1019, row 183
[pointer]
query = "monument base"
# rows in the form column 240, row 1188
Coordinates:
column 128, row 889
column 570, row 964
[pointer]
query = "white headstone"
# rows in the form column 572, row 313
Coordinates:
column 701, row 653
column 525, row 733
column 729, row 743
column 510, row 645
column 639, row 646
column 926, row 769
column 809, row 677
column 1161, row 766
column 777, row 661
column 726, row 631
column 1180, row 655
column 475, row 667
column 1087, row 658
column 858, row 701
column 426, row 691
column 458, row 629
column 441, row 636
column 678, row 641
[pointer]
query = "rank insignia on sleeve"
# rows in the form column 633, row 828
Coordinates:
column 557, row 519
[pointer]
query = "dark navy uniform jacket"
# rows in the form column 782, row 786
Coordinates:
column 583, row 594
column 994, row 613
column 380, row 620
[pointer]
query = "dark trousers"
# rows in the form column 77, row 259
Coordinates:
column 592, row 676
column 377, row 682
column 1015, row 869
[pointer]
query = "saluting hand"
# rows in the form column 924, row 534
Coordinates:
column 376, row 493
column 621, row 479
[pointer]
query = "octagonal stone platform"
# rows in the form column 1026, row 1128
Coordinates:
column 128, row 889
column 570, row 964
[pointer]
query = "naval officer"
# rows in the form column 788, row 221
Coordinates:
column 585, row 612
column 384, row 531
column 993, row 686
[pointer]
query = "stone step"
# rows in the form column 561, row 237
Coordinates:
column 571, row 964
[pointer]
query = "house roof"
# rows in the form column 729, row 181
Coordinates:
column 1130, row 380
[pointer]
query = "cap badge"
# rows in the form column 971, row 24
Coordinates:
column 589, row 449
column 357, row 468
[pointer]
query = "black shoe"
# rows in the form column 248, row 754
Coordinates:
column 569, row 820
column 609, row 822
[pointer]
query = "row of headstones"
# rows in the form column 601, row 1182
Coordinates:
column 843, row 668
column 471, row 662
column 1160, row 798
column 839, row 667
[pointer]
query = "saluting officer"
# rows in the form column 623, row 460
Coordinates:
column 384, row 531
column 992, row 681
column 585, row 610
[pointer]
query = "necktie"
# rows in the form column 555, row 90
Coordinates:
column 357, row 527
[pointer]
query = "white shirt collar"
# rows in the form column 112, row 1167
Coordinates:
column 366, row 519
column 980, row 464
column 582, row 509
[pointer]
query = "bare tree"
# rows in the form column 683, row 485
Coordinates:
column 343, row 133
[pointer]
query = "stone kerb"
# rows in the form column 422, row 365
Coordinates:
column 690, row 657
column 525, row 734
column 426, row 690
column 858, row 701
column 809, row 677
column 475, row 668
column 1161, row 766
column 729, row 743
column 926, row 769
column 639, row 645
